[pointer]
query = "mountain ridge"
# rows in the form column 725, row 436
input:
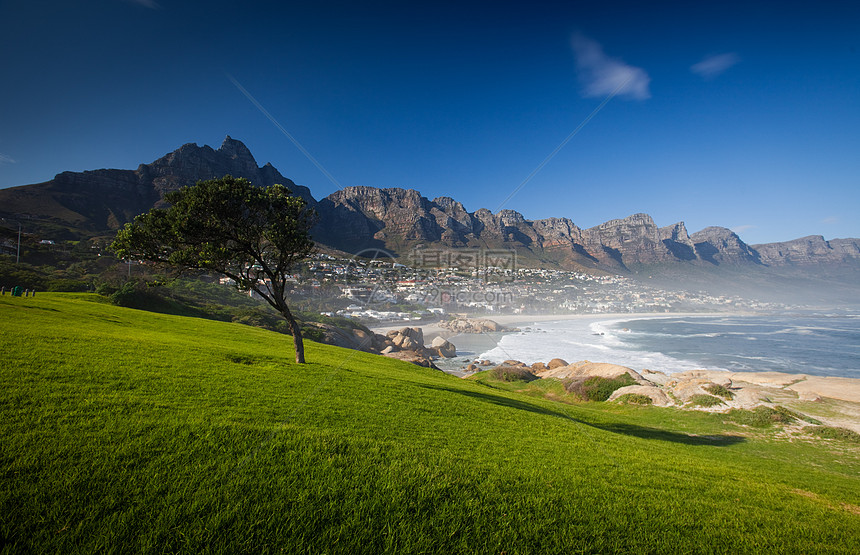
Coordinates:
column 359, row 217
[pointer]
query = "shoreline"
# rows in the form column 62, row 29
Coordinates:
column 433, row 329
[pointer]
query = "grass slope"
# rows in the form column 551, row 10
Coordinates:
column 125, row 430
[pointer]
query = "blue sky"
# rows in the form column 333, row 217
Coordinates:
column 739, row 114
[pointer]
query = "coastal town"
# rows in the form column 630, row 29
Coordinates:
column 383, row 289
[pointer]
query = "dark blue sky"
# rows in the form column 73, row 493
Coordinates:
column 740, row 114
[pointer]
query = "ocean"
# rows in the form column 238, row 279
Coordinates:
column 817, row 344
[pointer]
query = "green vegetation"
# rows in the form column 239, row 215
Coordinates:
column 635, row 399
column 763, row 417
column 596, row 388
column 704, row 401
column 832, row 432
column 512, row 374
column 720, row 391
column 126, row 430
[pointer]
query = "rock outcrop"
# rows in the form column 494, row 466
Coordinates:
column 719, row 245
column 809, row 250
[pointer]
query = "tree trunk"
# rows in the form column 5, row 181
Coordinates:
column 297, row 335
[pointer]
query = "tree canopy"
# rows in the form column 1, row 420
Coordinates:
column 253, row 235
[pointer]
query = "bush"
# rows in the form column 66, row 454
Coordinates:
column 704, row 401
column 832, row 432
column 635, row 399
column 719, row 391
column 596, row 388
column 512, row 374
column 67, row 285
column 763, row 417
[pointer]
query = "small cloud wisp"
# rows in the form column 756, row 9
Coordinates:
column 601, row 75
column 4, row 159
column 712, row 66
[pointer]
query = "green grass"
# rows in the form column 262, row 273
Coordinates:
column 131, row 431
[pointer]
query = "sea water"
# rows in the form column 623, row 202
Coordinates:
column 817, row 344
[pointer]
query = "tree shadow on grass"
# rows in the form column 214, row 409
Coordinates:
column 665, row 435
column 616, row 428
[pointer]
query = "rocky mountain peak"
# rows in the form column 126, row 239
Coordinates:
column 236, row 150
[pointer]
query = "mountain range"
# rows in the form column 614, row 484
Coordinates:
column 98, row 202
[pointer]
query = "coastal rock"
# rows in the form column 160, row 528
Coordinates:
column 333, row 335
column 556, row 363
column 655, row 377
column 415, row 357
column 685, row 389
column 718, row 377
column 513, row 363
column 443, row 348
column 586, row 369
column 658, row 396
column 539, row 367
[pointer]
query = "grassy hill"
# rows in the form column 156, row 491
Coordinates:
column 125, row 430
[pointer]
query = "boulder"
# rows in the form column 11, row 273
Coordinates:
column 513, row 363
column 586, row 369
column 443, row 348
column 539, row 367
column 556, row 363
column 415, row 357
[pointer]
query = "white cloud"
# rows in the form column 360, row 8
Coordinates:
column 830, row 220
column 601, row 75
column 151, row 4
column 4, row 159
column 712, row 66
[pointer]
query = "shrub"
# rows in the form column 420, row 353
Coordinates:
column 762, row 417
column 704, row 401
column 720, row 391
column 635, row 399
column 67, row 285
column 596, row 388
column 512, row 374
column 832, row 432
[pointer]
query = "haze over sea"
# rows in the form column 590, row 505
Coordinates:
column 818, row 344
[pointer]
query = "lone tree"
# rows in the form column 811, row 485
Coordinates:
column 252, row 235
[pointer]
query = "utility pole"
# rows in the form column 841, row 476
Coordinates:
column 18, row 254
